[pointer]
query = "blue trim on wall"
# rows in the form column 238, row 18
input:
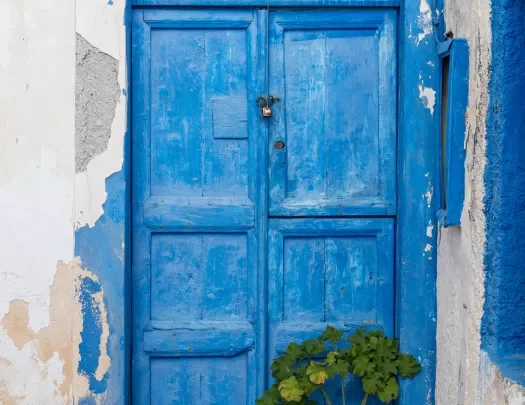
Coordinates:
column 416, row 306
column 453, row 159
column 503, row 323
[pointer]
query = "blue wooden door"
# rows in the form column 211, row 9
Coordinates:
column 241, row 243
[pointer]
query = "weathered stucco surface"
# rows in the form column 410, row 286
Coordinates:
column 100, row 32
column 465, row 375
column 55, row 334
column 36, row 195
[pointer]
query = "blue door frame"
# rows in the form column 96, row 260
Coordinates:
column 415, row 312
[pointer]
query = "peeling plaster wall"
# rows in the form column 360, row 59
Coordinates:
column 97, row 93
column 63, row 194
column 36, row 196
column 101, row 33
column 465, row 374
column 102, row 196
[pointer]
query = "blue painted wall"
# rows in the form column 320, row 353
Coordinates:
column 103, row 250
column 503, row 324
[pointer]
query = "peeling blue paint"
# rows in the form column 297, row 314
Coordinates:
column 91, row 334
column 87, row 401
column 102, row 251
column 503, row 323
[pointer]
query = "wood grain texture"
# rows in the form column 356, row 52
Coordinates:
column 335, row 72
column 196, row 306
column 198, row 338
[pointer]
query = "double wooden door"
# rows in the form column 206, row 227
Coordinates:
column 250, row 232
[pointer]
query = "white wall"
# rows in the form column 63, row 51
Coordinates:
column 37, row 105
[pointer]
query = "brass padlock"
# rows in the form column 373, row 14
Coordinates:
column 266, row 111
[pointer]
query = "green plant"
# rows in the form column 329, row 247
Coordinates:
column 307, row 367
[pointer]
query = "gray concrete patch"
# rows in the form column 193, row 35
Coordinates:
column 96, row 95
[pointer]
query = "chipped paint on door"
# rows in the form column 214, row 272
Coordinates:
column 200, row 299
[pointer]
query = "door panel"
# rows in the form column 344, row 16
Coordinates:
column 199, row 381
column 329, row 271
column 196, row 317
column 335, row 75
column 337, row 272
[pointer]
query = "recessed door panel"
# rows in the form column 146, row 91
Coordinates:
column 335, row 75
column 337, row 272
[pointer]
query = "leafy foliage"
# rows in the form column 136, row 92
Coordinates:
column 371, row 356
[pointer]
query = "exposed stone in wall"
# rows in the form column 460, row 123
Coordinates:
column 97, row 93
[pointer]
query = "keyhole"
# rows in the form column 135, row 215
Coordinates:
column 279, row 145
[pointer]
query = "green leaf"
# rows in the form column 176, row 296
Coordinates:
column 389, row 392
column 362, row 366
column 313, row 346
column 358, row 337
column 341, row 367
column 301, row 370
column 265, row 400
column 293, row 352
column 376, row 334
column 308, row 386
column 270, row 397
column 407, row 365
column 374, row 341
column 331, row 357
column 387, row 349
column 371, row 384
column 281, row 369
column 290, row 390
column 317, row 373
column 387, row 369
column 332, row 334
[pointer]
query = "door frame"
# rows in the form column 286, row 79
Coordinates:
column 417, row 171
